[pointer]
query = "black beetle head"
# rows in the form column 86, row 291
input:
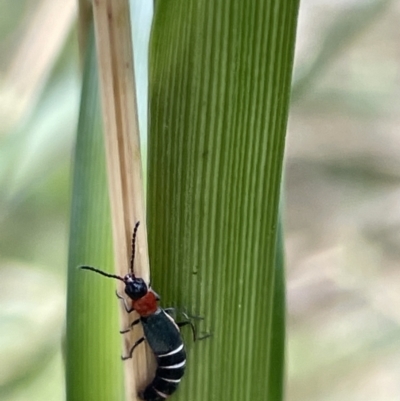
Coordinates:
column 135, row 288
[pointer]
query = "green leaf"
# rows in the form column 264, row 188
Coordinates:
column 220, row 74
column 93, row 344
column 278, row 325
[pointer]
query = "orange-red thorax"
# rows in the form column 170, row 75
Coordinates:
column 147, row 305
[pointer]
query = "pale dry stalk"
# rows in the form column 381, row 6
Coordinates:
column 118, row 96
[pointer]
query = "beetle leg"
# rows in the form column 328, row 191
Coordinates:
column 127, row 308
column 192, row 317
column 189, row 322
column 135, row 322
column 185, row 323
column 132, row 349
column 204, row 336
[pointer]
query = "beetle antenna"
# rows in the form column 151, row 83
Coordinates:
column 93, row 269
column 133, row 245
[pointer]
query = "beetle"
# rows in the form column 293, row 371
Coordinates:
column 161, row 331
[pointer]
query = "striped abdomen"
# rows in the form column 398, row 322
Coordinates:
column 165, row 340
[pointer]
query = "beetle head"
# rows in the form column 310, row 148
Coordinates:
column 135, row 287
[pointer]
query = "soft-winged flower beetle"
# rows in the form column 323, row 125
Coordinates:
column 160, row 331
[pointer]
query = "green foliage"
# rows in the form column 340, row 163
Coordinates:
column 93, row 368
column 219, row 92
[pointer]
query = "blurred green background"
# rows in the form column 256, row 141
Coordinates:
column 342, row 212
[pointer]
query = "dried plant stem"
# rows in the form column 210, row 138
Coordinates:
column 118, row 93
